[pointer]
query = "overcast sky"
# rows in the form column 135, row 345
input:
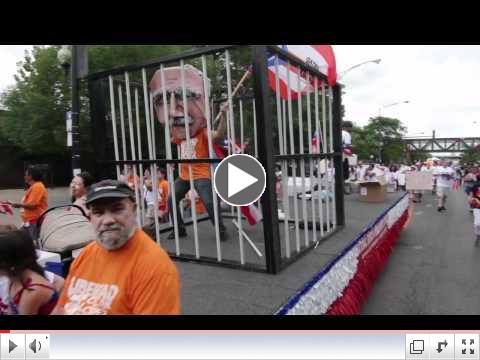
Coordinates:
column 9, row 56
column 440, row 83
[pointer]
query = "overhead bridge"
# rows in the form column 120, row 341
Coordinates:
column 440, row 145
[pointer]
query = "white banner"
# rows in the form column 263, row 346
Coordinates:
column 419, row 180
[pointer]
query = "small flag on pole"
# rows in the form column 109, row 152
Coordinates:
column 6, row 209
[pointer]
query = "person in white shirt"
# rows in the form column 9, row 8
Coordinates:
column 347, row 128
column 369, row 174
column 359, row 171
column 444, row 180
column 149, row 197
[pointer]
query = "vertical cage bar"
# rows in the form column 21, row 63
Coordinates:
column 265, row 152
column 233, row 142
column 211, row 155
column 337, row 147
column 168, row 148
column 148, row 104
column 326, row 148
column 319, row 163
column 293, row 163
column 311, row 162
column 132, row 146
column 331, row 189
column 114, row 122
column 190, row 172
column 140, row 155
column 122, row 127
column 302, row 163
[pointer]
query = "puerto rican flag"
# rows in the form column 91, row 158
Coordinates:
column 6, row 209
column 320, row 57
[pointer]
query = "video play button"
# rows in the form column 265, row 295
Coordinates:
column 11, row 346
column 239, row 180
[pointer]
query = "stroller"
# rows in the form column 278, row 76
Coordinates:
column 63, row 230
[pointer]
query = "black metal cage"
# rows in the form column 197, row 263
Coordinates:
column 297, row 139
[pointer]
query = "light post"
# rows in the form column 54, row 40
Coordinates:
column 389, row 105
column 342, row 73
column 67, row 57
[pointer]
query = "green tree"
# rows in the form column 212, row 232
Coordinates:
column 471, row 156
column 36, row 104
column 381, row 137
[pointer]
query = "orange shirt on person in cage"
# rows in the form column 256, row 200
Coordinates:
column 163, row 191
column 132, row 180
column 36, row 194
column 137, row 279
column 198, row 150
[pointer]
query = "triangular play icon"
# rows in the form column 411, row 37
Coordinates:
column 11, row 346
column 238, row 180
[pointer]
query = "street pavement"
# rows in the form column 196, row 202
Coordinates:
column 56, row 196
column 434, row 268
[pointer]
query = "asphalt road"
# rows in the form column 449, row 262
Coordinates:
column 434, row 268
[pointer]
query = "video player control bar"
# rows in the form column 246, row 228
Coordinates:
column 238, row 345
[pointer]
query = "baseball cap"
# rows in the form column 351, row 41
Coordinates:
column 109, row 189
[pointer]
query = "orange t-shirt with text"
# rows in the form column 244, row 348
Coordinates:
column 36, row 194
column 137, row 279
column 198, row 150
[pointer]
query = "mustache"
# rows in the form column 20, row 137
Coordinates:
column 113, row 228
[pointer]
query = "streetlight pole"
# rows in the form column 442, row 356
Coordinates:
column 342, row 73
column 75, row 113
column 68, row 58
column 389, row 105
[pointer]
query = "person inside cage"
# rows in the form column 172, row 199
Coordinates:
column 130, row 178
column 162, row 196
column 194, row 144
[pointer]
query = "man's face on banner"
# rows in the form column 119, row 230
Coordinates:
column 171, row 109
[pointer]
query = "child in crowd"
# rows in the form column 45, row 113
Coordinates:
column 31, row 291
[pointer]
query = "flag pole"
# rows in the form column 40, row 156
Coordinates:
column 234, row 92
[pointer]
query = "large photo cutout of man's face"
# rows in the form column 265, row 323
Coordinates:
column 174, row 112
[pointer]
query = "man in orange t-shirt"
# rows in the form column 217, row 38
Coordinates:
column 34, row 202
column 124, row 272
column 193, row 145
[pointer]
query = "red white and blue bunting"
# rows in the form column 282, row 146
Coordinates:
column 345, row 283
